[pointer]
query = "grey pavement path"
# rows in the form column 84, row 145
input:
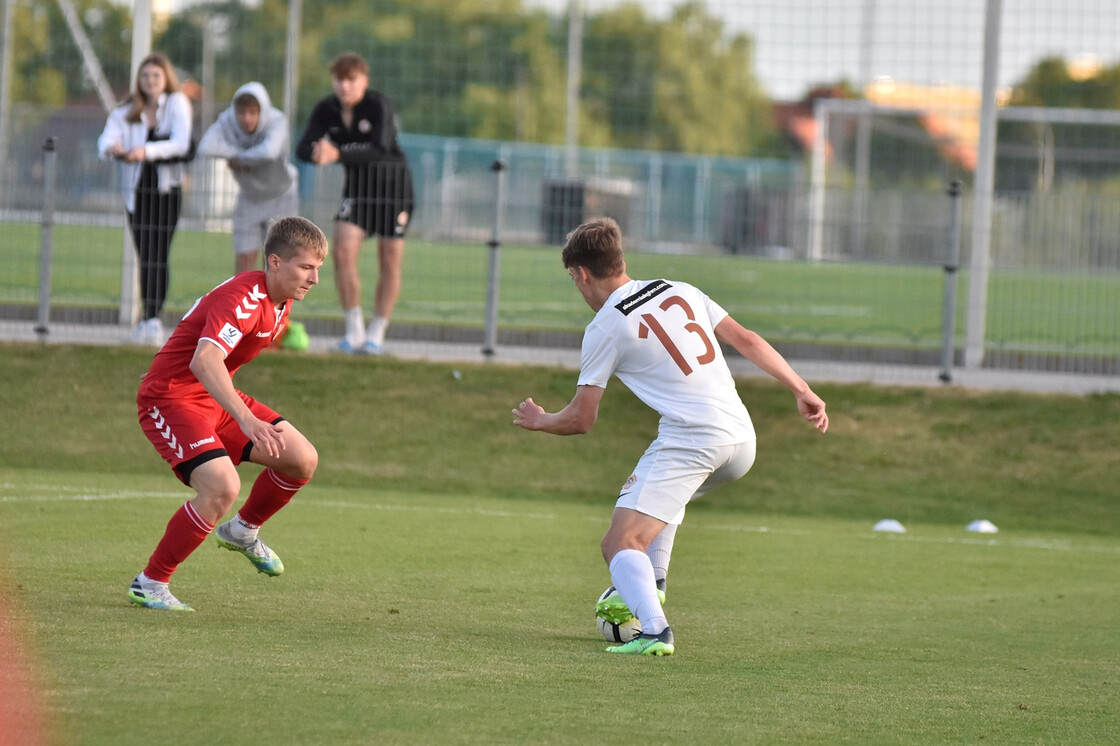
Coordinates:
column 813, row 371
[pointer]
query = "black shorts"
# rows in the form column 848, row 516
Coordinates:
column 378, row 199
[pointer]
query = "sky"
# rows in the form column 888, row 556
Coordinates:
column 802, row 42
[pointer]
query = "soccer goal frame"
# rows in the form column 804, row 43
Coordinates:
column 864, row 111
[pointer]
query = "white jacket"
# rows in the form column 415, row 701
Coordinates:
column 264, row 151
column 173, row 130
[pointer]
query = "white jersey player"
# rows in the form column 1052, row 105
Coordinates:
column 662, row 339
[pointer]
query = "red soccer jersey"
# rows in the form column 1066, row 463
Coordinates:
column 237, row 316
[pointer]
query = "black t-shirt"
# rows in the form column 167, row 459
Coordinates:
column 369, row 142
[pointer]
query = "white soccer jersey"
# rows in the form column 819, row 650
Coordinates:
column 658, row 338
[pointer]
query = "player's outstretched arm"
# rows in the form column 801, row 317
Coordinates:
column 753, row 347
column 575, row 419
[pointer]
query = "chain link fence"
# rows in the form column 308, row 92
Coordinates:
column 849, row 266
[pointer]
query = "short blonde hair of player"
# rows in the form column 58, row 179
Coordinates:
column 597, row 247
column 288, row 236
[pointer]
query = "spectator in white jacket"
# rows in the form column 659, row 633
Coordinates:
column 150, row 134
column 253, row 137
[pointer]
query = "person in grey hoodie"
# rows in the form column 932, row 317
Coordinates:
column 253, row 137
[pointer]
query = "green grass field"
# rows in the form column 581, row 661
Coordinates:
column 442, row 568
column 845, row 304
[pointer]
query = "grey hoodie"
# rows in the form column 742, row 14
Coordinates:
column 265, row 151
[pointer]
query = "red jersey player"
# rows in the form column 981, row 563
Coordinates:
column 203, row 427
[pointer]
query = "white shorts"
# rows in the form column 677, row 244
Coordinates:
column 667, row 477
column 251, row 219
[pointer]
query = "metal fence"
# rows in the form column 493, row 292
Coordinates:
column 1053, row 305
column 847, row 266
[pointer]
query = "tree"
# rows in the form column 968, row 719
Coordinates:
column 435, row 59
column 1035, row 155
column 490, row 69
column 1051, row 83
column 46, row 63
column 530, row 107
column 680, row 84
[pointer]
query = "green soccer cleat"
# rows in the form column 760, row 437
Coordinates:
column 153, row 595
column 611, row 608
column 661, row 644
column 263, row 558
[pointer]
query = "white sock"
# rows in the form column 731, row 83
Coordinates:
column 377, row 328
column 632, row 575
column 241, row 531
column 660, row 550
column 355, row 327
column 147, row 583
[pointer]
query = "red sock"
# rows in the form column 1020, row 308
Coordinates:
column 270, row 492
column 185, row 531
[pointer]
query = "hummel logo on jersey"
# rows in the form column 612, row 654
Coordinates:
column 250, row 303
column 230, row 334
column 650, row 291
column 202, row 442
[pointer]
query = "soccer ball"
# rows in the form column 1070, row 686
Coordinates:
column 624, row 632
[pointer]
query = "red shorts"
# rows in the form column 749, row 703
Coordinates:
column 190, row 432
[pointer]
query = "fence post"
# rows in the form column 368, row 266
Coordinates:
column 46, row 239
column 495, row 245
column 952, row 264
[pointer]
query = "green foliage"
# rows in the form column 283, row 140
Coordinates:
column 702, row 73
column 462, row 68
column 691, row 89
column 49, row 86
column 426, row 56
column 1051, row 83
column 1034, row 159
column 47, row 66
column 530, row 107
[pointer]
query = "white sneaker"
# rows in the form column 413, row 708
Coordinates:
column 147, row 332
column 155, row 331
column 136, row 335
column 154, row 595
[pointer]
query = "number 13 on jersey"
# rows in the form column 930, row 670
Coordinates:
column 682, row 311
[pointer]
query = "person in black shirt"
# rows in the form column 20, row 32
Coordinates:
column 357, row 128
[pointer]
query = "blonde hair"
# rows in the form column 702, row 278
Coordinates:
column 139, row 100
column 288, row 236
